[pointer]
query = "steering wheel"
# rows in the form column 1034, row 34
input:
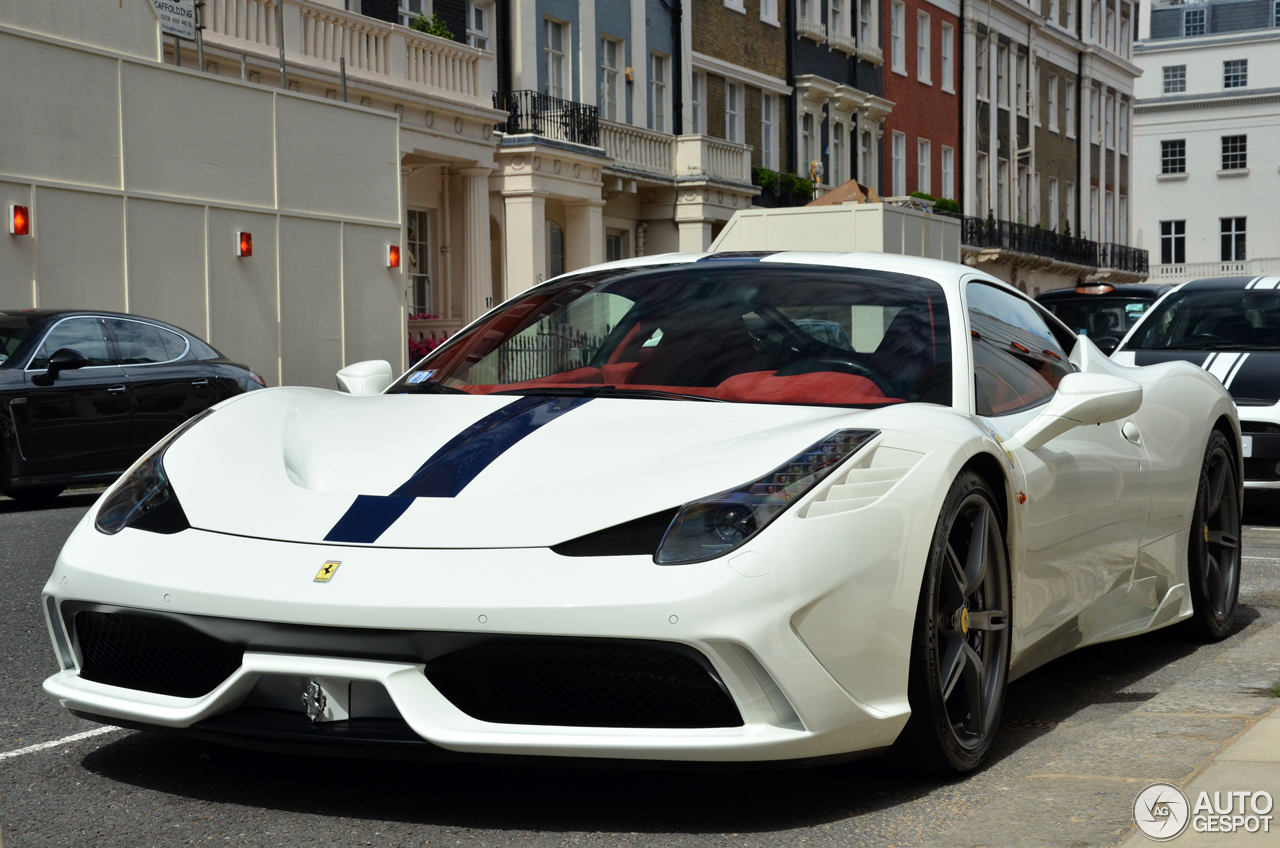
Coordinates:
column 839, row 365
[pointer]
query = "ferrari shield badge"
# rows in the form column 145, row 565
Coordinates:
column 325, row 574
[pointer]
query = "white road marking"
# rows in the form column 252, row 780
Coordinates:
column 66, row 740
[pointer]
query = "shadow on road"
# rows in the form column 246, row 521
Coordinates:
column 78, row 498
column 613, row 800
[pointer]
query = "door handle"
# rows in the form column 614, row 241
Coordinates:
column 117, row 390
column 203, row 381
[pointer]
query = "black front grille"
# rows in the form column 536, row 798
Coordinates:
column 1261, row 468
column 152, row 654
column 584, row 685
column 634, row 538
column 1248, row 427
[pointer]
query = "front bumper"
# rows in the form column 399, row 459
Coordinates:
column 791, row 706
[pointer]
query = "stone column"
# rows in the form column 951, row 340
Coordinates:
column 993, row 119
column 969, row 101
column 695, row 235
column 584, row 234
column 1080, row 227
column 478, row 279
column 526, row 235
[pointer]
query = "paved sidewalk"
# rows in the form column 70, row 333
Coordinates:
column 1084, row 796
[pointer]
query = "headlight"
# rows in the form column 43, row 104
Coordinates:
column 714, row 526
column 143, row 498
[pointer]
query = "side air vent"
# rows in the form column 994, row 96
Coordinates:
column 867, row 481
column 152, row 654
column 640, row 537
column 1259, row 427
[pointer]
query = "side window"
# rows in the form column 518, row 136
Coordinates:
column 79, row 334
column 1017, row 360
column 139, row 343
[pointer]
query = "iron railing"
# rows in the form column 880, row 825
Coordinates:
column 550, row 350
column 1007, row 235
column 1123, row 258
column 550, row 117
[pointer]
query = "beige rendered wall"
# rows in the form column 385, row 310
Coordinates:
column 873, row 227
column 138, row 175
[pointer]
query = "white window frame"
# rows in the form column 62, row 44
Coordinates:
column 1095, row 20
column 1108, row 217
column 1053, row 10
column 1124, row 127
column 923, row 64
column 948, row 186
column 836, row 10
column 1069, row 200
column 981, row 69
column 697, row 101
column 924, row 162
column 550, row 55
column 1020, row 82
column 1095, row 131
column 1051, row 102
column 948, row 64
column 732, row 111
column 409, row 10
column 897, row 37
column 611, row 76
column 1094, row 213
column 1109, row 122
column 475, row 35
column 867, row 158
column 1173, row 79
column 1195, row 19
column 1124, row 37
column 658, row 104
column 837, row 176
column 899, row 164
column 736, row 6
column 769, row 12
column 980, row 174
column 868, row 16
column 1235, row 77
column 1002, row 188
column 1122, row 220
column 1069, row 109
column 1053, row 204
column 1111, row 30
column 808, row 142
column 1002, row 76
column 768, row 131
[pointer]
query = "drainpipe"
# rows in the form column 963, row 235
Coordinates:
column 1080, row 139
column 960, row 163
column 792, row 115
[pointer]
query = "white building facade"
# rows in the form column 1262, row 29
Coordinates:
column 1207, row 139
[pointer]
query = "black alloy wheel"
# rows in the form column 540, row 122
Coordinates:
column 1213, row 555
column 960, row 651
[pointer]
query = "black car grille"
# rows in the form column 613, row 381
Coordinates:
column 152, row 654
column 634, row 538
column 1248, row 427
column 1261, row 468
column 583, row 685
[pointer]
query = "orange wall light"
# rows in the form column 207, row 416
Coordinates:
column 244, row 244
column 19, row 221
column 393, row 256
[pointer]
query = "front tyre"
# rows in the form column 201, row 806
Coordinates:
column 960, row 650
column 1213, row 555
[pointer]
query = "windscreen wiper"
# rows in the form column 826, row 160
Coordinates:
column 425, row 389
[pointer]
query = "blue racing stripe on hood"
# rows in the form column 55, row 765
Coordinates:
column 451, row 468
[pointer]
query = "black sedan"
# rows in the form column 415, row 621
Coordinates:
column 84, row 394
column 1101, row 311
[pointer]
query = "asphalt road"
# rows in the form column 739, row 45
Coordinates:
column 137, row 789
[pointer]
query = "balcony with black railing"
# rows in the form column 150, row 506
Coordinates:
column 1121, row 257
column 532, row 112
column 993, row 234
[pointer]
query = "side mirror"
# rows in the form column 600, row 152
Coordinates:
column 366, row 378
column 1081, row 399
column 63, row 359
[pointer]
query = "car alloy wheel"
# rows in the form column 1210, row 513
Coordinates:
column 960, row 653
column 1213, row 556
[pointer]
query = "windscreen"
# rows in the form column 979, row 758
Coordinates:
column 728, row 331
column 1099, row 317
column 13, row 332
column 1213, row 319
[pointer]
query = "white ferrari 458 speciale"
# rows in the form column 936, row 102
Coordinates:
column 733, row 507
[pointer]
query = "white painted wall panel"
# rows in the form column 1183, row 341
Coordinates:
column 166, row 263
column 16, row 254
column 79, row 249
column 243, row 305
column 373, row 297
column 67, row 127
column 123, row 26
column 310, row 301
column 188, row 135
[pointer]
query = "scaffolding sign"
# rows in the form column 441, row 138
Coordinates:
column 177, row 18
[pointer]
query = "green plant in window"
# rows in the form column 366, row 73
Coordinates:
column 432, row 25
column 765, row 178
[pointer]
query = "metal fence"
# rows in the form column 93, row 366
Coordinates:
column 550, row 350
column 1037, row 241
column 550, row 117
column 1123, row 258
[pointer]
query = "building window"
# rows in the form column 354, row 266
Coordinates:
column 1108, row 233
column 697, row 84
column 1109, row 109
column 1235, row 73
column 980, row 63
column 1071, row 16
column 556, row 68
column 923, row 71
column 1051, row 102
column 923, row 181
column 1193, row 22
column 836, row 20
column 418, row 260
column 1020, row 84
column 899, row 165
column 767, row 126
column 948, row 187
column 1094, row 137
column 410, row 10
column 1122, row 224
column 1093, row 212
column 980, row 179
column 838, row 155
column 1070, row 203
column 866, row 167
column 1173, row 156
column 1095, row 13
column 478, row 17
column 657, row 105
column 1173, row 242
column 1124, row 37
column 1002, row 188
column 1002, row 76
column 1235, row 153
column 1053, row 204
column 1053, row 10
column 733, row 111
column 1233, row 240
column 896, row 23
column 1175, row 79
column 610, row 58
column 769, row 11
column 1069, row 105
column 806, row 142
column 1124, row 128
column 615, row 245
column 555, row 250
column 948, row 67
column 866, row 29
column 1111, row 30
